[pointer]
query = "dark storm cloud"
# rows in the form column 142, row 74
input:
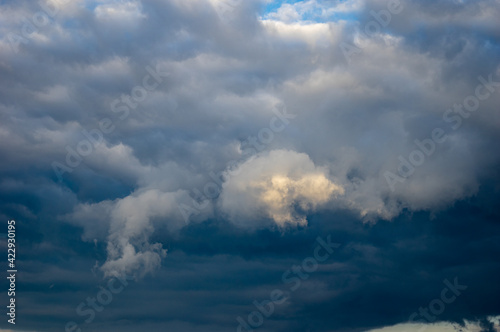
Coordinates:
column 379, row 276
column 222, row 77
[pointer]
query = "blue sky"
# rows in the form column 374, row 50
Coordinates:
column 313, row 15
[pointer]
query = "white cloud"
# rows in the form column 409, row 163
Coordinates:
column 121, row 13
column 281, row 185
column 438, row 327
column 129, row 250
column 129, row 223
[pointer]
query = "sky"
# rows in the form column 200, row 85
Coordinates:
column 251, row 165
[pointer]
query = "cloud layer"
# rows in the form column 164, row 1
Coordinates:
column 219, row 79
column 281, row 185
column 125, row 125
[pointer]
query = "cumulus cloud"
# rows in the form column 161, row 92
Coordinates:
column 281, row 185
column 119, row 12
column 468, row 326
column 126, row 226
column 129, row 250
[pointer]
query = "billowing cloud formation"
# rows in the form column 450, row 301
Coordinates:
column 129, row 223
column 128, row 245
column 281, row 185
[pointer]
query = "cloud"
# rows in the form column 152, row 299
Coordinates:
column 229, row 64
column 122, row 13
column 281, row 185
column 132, row 222
column 468, row 326
column 349, row 121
